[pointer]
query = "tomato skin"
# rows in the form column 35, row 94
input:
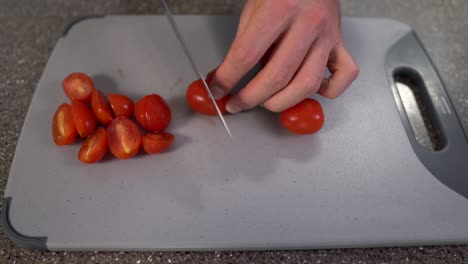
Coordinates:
column 198, row 99
column 63, row 126
column 304, row 118
column 83, row 117
column 94, row 148
column 78, row 86
column 101, row 108
column 121, row 105
column 157, row 142
column 123, row 137
column 153, row 113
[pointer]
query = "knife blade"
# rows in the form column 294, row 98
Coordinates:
column 194, row 66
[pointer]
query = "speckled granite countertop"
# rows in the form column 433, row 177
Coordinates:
column 29, row 30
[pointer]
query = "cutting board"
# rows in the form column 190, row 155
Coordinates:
column 363, row 180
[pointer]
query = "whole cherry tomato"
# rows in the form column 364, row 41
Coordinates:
column 83, row 117
column 304, row 118
column 94, row 148
column 63, row 127
column 124, row 137
column 157, row 142
column 198, row 99
column 153, row 113
column 78, row 86
column 121, row 104
column 101, row 108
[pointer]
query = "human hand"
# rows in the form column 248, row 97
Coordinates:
column 297, row 40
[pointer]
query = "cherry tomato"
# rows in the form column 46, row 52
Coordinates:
column 123, row 137
column 78, row 86
column 83, row 117
column 304, row 118
column 94, row 148
column 63, row 127
column 198, row 99
column 153, row 113
column 121, row 104
column 157, row 142
column 101, row 108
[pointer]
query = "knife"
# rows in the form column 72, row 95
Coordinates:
column 194, row 66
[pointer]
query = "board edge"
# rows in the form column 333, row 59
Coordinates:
column 28, row 242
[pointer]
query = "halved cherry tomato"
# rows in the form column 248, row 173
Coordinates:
column 78, row 86
column 101, row 108
column 198, row 99
column 157, row 142
column 304, row 118
column 83, row 117
column 121, row 104
column 63, row 127
column 124, row 138
column 94, row 148
column 153, row 113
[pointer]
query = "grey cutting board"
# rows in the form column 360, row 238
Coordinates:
column 361, row 181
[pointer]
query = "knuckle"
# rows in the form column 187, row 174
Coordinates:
column 222, row 79
column 245, row 101
column 317, row 16
column 272, row 107
column 312, row 83
column 288, row 4
column 245, row 56
column 354, row 71
column 280, row 77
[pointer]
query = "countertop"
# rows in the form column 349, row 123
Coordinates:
column 30, row 29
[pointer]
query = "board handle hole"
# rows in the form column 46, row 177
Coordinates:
column 419, row 109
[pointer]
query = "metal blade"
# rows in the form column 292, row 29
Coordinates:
column 194, row 66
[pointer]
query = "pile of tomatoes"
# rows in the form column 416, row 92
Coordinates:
column 107, row 124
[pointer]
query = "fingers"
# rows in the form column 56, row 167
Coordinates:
column 279, row 70
column 245, row 16
column 249, row 46
column 306, row 81
column 344, row 71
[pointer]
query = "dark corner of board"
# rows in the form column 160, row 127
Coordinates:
column 28, row 242
column 76, row 21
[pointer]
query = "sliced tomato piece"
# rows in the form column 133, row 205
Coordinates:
column 121, row 104
column 198, row 99
column 63, row 127
column 157, row 142
column 101, row 108
column 124, row 137
column 304, row 118
column 78, row 86
column 94, row 148
column 83, row 117
column 153, row 113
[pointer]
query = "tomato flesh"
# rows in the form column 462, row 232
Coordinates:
column 101, row 108
column 78, row 86
column 94, row 148
column 198, row 99
column 304, row 118
column 124, row 138
column 157, row 142
column 153, row 113
column 83, row 117
column 63, row 127
column 121, row 105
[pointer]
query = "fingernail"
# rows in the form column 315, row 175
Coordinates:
column 217, row 92
column 232, row 108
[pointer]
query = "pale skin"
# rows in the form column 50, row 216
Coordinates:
column 297, row 40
